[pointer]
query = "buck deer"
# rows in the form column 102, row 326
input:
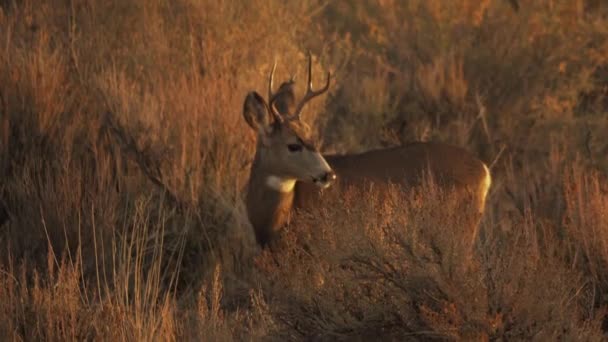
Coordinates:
column 287, row 162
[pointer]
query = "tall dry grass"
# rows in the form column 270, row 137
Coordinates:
column 123, row 158
column 393, row 266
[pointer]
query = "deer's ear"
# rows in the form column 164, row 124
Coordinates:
column 256, row 113
column 285, row 102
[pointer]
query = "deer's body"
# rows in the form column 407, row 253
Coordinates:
column 270, row 205
column 451, row 167
column 288, row 170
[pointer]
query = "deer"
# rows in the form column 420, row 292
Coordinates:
column 288, row 171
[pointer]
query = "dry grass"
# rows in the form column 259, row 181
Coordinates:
column 123, row 157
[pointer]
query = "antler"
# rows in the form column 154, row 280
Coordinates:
column 272, row 95
column 310, row 94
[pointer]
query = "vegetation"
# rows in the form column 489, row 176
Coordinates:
column 124, row 157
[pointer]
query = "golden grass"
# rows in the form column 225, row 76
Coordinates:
column 123, row 158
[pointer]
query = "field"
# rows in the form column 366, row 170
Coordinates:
column 124, row 158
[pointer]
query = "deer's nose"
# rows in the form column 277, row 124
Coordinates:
column 325, row 179
column 328, row 177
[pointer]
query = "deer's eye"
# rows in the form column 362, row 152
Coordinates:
column 294, row 147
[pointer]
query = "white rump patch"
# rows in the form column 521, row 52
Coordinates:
column 485, row 186
column 280, row 184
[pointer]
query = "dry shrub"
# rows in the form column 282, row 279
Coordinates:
column 474, row 73
column 143, row 235
column 60, row 304
column 167, row 75
column 393, row 266
column 586, row 228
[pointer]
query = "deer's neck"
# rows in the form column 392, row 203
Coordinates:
column 269, row 202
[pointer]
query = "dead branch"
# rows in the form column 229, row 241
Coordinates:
column 503, row 147
column 148, row 167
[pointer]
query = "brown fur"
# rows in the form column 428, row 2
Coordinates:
column 452, row 168
column 268, row 209
column 286, row 99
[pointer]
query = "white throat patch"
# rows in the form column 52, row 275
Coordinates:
column 280, row 184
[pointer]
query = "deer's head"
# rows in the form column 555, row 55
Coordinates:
column 285, row 150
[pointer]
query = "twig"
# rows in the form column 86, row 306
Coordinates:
column 503, row 147
column 313, row 13
column 482, row 116
column 148, row 168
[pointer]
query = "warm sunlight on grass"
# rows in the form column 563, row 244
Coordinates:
column 124, row 157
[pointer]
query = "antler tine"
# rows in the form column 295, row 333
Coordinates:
column 273, row 110
column 310, row 94
column 271, row 95
column 270, row 82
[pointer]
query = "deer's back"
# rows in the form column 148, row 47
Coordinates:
column 450, row 166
